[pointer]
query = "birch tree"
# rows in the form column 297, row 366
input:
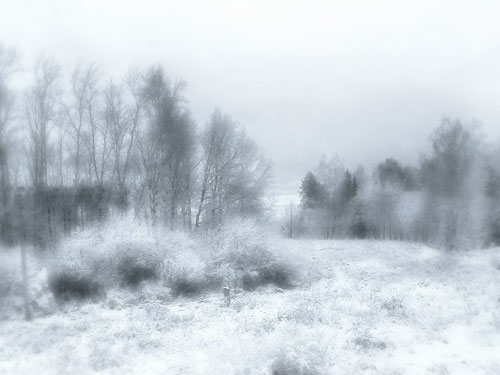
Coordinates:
column 166, row 148
column 40, row 110
column 8, row 65
column 233, row 173
column 83, row 79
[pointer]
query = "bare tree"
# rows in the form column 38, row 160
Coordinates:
column 137, row 96
column 233, row 173
column 8, row 65
column 96, row 133
column 452, row 180
column 40, row 110
column 119, row 125
column 83, row 79
column 165, row 146
column 217, row 157
column 124, row 113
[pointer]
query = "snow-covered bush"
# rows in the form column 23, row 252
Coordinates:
column 133, row 271
column 228, row 256
column 279, row 274
column 125, row 253
column 241, row 255
column 124, row 262
column 187, row 285
column 70, row 285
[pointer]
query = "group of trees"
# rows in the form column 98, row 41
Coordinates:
column 75, row 145
column 451, row 199
column 328, row 196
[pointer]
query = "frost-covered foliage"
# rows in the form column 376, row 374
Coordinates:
column 125, row 262
column 243, row 255
column 67, row 285
column 125, row 254
column 450, row 200
column 359, row 308
column 126, row 143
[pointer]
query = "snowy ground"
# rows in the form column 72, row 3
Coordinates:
column 359, row 308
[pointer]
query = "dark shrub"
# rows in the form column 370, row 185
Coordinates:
column 212, row 281
column 274, row 273
column 184, row 286
column 359, row 229
column 68, row 285
column 251, row 281
column 131, row 272
column 277, row 274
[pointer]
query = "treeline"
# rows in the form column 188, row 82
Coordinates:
column 75, row 145
column 451, row 199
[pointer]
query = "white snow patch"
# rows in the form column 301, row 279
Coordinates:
column 362, row 307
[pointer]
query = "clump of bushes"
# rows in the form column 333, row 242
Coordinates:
column 187, row 286
column 278, row 274
column 250, row 281
column 93, row 277
column 105, row 259
column 70, row 285
column 255, row 266
column 274, row 273
column 124, row 265
column 249, row 257
column 247, row 267
column 220, row 274
column 132, row 271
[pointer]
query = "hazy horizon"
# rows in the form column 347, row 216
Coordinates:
column 223, row 226
column 362, row 80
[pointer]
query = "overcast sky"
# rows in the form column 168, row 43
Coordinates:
column 364, row 79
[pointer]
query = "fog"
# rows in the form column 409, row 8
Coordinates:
column 249, row 187
column 361, row 79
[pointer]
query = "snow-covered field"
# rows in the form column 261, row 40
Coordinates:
column 359, row 308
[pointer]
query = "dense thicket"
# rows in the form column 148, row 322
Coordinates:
column 75, row 146
column 451, row 199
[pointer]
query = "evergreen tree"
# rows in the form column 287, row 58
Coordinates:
column 349, row 188
column 354, row 186
column 312, row 193
column 358, row 227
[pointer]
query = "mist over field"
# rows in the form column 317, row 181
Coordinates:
column 249, row 187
